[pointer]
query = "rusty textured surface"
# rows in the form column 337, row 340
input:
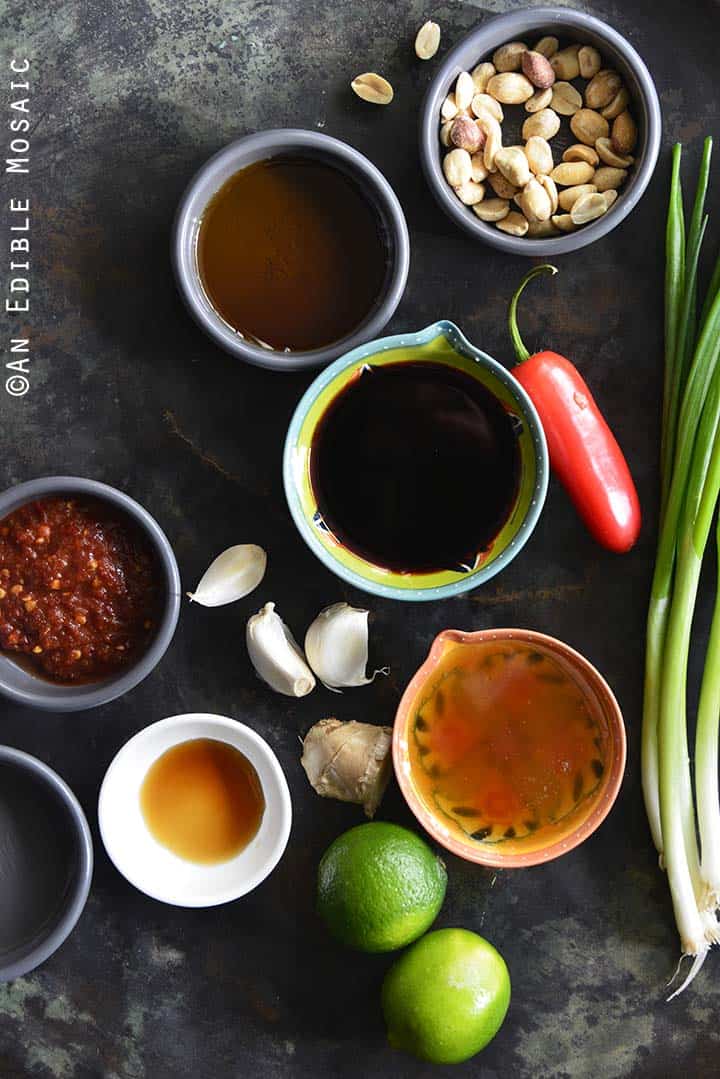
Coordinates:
column 129, row 97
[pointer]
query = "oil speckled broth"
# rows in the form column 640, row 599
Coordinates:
column 505, row 746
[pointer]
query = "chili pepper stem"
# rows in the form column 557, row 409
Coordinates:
column 521, row 352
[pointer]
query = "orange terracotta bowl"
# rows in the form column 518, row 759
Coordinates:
column 551, row 839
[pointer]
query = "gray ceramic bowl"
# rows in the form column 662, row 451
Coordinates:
column 530, row 25
column 259, row 147
column 21, row 686
column 45, row 838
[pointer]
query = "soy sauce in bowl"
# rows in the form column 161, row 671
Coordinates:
column 415, row 466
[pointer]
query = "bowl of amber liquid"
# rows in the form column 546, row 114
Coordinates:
column 509, row 746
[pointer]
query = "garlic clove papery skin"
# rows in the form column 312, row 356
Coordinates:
column 232, row 575
column 276, row 655
column 336, row 647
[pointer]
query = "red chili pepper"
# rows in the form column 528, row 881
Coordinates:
column 583, row 450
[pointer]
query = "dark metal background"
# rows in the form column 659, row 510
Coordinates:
column 129, row 98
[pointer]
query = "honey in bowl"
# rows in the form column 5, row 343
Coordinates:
column 202, row 799
column 506, row 746
column 291, row 254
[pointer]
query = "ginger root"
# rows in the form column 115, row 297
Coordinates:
column 349, row 761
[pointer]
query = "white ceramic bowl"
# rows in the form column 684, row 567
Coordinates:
column 154, row 869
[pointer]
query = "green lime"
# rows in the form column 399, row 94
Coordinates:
column 446, row 997
column 379, row 887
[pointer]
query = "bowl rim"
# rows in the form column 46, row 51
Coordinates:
column 241, row 735
column 47, row 695
column 490, row 34
column 599, row 810
column 62, row 929
column 474, row 580
column 187, row 215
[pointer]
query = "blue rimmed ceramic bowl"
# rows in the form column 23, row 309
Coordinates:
column 441, row 343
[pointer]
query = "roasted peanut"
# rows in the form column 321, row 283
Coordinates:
column 549, row 184
column 509, row 57
column 540, row 100
column 470, row 193
column 565, row 63
column 572, row 173
column 565, row 99
column 479, row 172
column 534, row 201
column 457, row 167
column 618, row 104
column 481, row 75
column 581, row 152
column 539, row 155
column 492, row 209
column 501, row 186
column 484, row 102
column 607, row 178
column 374, row 88
column 590, row 61
column 466, row 134
column 624, row 133
column 545, row 123
column 514, row 224
column 513, row 164
column 537, row 69
column 445, row 130
column 568, row 197
column 602, row 88
column 547, row 46
column 541, row 230
column 449, row 109
column 564, row 222
column 464, row 90
column 510, row 88
column 588, row 126
column 587, row 208
column 607, row 154
column 427, row 40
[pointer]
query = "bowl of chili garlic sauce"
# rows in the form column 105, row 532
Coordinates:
column 89, row 593
column 195, row 810
column 509, row 746
column 416, row 467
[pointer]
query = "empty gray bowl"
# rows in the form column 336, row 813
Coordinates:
column 20, row 684
column 46, row 865
column 529, row 25
column 260, row 147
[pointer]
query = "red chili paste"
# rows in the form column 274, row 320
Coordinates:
column 79, row 588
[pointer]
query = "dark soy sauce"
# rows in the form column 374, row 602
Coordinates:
column 415, row 467
column 38, row 858
column 292, row 254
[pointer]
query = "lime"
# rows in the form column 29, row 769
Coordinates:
column 379, row 887
column 446, row 997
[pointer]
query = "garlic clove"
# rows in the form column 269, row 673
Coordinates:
column 336, row 646
column 232, row 575
column 276, row 655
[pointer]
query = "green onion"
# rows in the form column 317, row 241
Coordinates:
column 690, row 486
column 706, row 759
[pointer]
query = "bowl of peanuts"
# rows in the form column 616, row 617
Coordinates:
column 540, row 131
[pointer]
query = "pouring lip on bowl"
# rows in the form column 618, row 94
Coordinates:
column 206, row 182
column 157, row 871
column 600, row 808
column 291, row 464
column 25, row 688
column 38, row 953
column 478, row 45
